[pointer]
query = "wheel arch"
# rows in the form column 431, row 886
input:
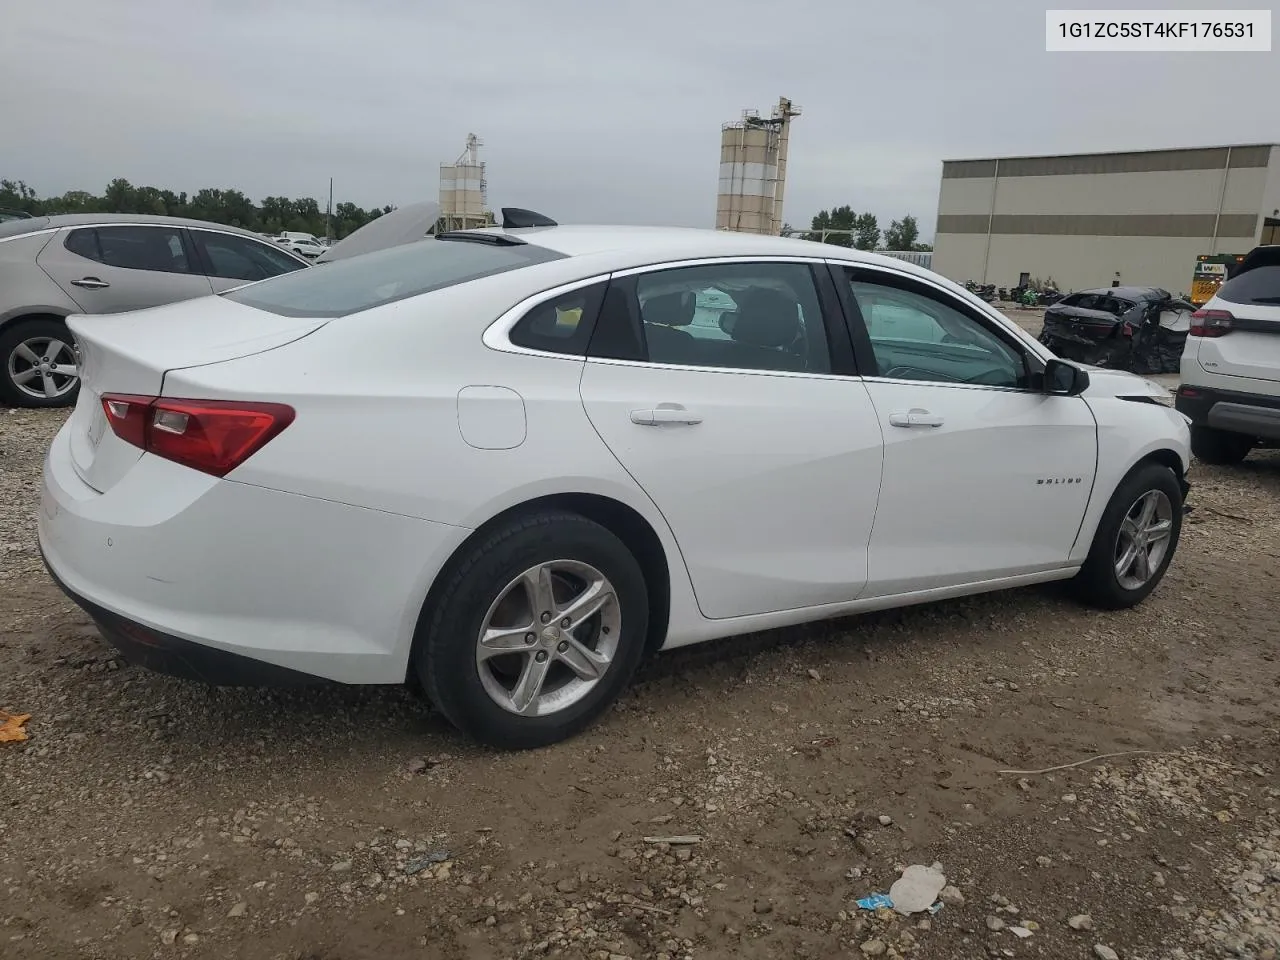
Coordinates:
column 1165, row 456
column 623, row 521
column 25, row 314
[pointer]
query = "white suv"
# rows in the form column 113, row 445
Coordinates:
column 1231, row 364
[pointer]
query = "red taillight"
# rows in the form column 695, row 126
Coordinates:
column 127, row 414
column 214, row 436
column 1211, row 323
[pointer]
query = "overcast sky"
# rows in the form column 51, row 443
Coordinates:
column 590, row 111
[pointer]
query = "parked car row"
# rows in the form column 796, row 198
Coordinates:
column 587, row 444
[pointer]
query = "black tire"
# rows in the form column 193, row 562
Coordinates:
column 445, row 652
column 12, row 336
column 1219, row 447
column 1097, row 583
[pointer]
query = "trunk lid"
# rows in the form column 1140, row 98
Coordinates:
column 131, row 353
column 402, row 225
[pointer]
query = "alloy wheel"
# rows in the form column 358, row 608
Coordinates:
column 44, row 367
column 549, row 638
column 1144, row 539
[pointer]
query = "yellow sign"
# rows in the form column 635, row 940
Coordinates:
column 1203, row 289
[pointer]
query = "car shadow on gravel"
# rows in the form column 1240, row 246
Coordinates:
column 863, row 635
column 328, row 720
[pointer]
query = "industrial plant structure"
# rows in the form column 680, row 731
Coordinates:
column 1104, row 219
column 753, row 170
column 464, row 190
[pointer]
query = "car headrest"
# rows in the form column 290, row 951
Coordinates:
column 670, row 309
column 765, row 318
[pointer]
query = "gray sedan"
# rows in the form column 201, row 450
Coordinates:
column 52, row 267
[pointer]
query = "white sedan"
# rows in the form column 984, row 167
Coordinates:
column 303, row 246
column 514, row 462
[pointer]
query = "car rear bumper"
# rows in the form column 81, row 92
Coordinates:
column 1250, row 414
column 176, row 657
column 233, row 583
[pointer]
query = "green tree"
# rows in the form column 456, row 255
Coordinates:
column 120, row 197
column 214, row 204
column 902, row 234
column 868, row 236
column 837, row 218
column 74, row 201
column 16, row 195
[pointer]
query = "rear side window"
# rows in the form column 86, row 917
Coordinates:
column 385, row 276
column 84, row 243
column 562, row 324
column 1259, row 286
column 158, row 248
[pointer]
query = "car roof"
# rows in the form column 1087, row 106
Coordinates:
column 639, row 244
column 1264, row 255
column 13, row 228
column 1126, row 293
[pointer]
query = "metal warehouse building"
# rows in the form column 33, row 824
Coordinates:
column 1092, row 220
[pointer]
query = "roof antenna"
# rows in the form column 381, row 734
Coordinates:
column 516, row 217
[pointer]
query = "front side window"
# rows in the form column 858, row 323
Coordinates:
column 238, row 258
column 915, row 336
column 745, row 316
column 385, row 276
column 154, row 248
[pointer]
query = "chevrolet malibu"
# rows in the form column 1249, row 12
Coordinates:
column 513, row 462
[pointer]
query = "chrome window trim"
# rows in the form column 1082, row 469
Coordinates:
column 496, row 335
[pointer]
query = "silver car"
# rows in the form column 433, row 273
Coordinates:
column 52, row 267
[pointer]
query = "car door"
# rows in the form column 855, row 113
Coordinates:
column 727, row 390
column 985, row 476
column 118, row 267
column 231, row 260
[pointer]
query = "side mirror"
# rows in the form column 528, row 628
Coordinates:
column 1064, row 379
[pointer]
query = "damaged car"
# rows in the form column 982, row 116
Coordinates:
column 1139, row 329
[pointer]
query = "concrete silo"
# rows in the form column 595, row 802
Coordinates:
column 464, row 190
column 753, row 170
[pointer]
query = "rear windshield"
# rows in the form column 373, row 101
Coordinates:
column 385, row 276
column 1259, row 286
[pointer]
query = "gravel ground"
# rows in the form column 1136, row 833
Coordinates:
column 147, row 817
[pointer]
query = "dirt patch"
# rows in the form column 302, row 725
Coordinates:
column 150, row 817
